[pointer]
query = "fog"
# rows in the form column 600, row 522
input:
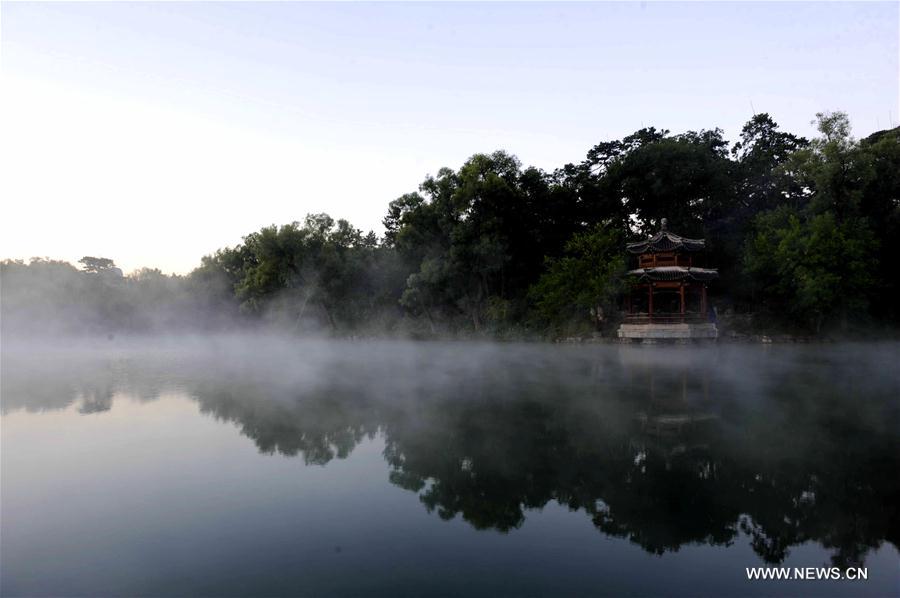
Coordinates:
column 286, row 367
column 750, row 436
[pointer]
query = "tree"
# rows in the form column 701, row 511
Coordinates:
column 685, row 178
column 584, row 281
column 99, row 265
column 470, row 237
column 832, row 171
column 812, row 268
column 320, row 271
column 880, row 205
column 494, row 244
column 763, row 148
column 817, row 258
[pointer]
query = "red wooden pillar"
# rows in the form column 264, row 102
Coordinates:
column 650, row 304
column 703, row 300
column 681, row 292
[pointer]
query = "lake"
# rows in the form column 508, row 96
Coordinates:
column 262, row 466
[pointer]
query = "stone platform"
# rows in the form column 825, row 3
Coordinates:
column 668, row 331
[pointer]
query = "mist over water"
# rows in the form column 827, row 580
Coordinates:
column 268, row 465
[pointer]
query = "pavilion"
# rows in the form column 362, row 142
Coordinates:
column 667, row 299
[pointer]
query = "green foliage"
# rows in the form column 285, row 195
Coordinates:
column 584, row 282
column 317, row 274
column 762, row 184
column 820, row 260
column 802, row 228
column 98, row 265
column 472, row 239
column 814, row 268
column 53, row 297
column 833, row 169
column 685, row 178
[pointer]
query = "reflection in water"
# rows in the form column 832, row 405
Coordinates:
column 664, row 447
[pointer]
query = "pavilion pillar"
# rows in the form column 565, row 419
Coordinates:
column 650, row 301
column 681, row 293
column 703, row 300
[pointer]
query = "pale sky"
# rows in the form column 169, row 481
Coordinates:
column 156, row 133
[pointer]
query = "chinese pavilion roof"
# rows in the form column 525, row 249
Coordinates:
column 667, row 273
column 666, row 241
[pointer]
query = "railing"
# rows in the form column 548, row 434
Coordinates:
column 656, row 261
column 686, row 318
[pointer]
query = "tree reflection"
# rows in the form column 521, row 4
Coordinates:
column 664, row 459
column 96, row 400
column 318, row 428
column 663, row 455
column 52, row 383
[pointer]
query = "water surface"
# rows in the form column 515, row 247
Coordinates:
column 273, row 467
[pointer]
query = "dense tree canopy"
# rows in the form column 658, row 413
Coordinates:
column 586, row 279
column 802, row 231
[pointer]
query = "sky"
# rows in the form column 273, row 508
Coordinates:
column 156, row 133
